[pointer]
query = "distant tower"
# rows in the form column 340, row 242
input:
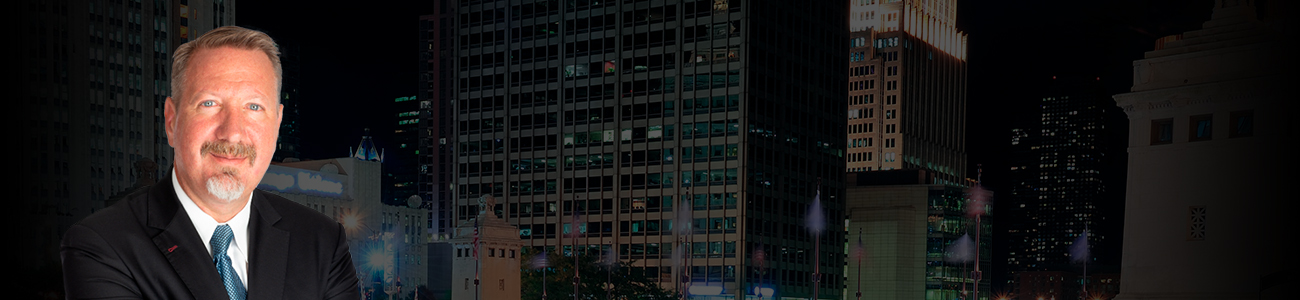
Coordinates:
column 289, row 143
column 402, row 164
column 495, row 272
column 1056, row 177
column 366, row 150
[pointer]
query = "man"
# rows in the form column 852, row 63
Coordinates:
column 204, row 231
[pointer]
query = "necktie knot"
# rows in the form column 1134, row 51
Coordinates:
column 221, row 239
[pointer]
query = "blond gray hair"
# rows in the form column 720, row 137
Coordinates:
column 226, row 36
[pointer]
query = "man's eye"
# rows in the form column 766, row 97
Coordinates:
column 254, row 106
column 208, row 103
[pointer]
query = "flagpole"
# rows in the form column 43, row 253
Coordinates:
column 979, row 178
column 547, row 266
column 609, row 273
column 576, row 277
column 976, row 276
column 478, row 263
column 1085, row 262
column 817, row 246
column 685, row 218
column 860, row 255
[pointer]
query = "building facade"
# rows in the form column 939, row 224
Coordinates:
column 907, row 88
column 1056, row 175
column 1208, row 206
column 92, row 77
column 614, row 113
column 910, row 226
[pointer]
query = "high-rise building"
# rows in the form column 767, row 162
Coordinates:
column 1210, row 202
column 1056, row 174
column 290, row 139
column 93, row 79
column 907, row 88
column 622, row 114
column 438, row 74
column 402, row 165
column 434, row 184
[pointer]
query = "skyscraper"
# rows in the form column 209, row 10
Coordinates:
column 1057, row 189
column 94, row 77
column 907, row 117
column 290, row 139
column 907, row 88
column 436, row 135
column 402, row 163
column 622, row 114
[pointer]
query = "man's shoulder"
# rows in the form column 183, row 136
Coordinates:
column 123, row 219
column 132, row 206
column 296, row 214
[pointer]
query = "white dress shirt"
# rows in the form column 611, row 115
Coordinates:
column 206, row 225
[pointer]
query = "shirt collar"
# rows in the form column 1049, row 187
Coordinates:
column 205, row 224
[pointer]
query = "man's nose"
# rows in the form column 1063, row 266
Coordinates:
column 232, row 125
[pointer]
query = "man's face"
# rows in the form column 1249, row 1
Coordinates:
column 224, row 126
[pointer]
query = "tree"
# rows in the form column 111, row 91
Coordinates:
column 628, row 285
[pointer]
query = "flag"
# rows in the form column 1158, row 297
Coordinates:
column 475, row 241
column 540, row 261
column 608, row 259
column 684, row 216
column 979, row 198
column 859, row 250
column 575, row 225
column 962, row 250
column 816, row 218
column 1079, row 250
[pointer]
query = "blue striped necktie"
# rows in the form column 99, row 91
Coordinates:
column 220, row 242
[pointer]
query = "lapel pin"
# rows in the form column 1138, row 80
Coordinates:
column 169, row 250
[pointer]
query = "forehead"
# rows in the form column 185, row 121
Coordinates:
column 230, row 69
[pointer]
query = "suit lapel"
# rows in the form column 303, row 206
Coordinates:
column 180, row 243
column 270, row 251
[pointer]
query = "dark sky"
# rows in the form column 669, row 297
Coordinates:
column 1017, row 46
column 356, row 58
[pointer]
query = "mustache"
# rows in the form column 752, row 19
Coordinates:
column 229, row 149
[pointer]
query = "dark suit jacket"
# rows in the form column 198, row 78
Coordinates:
column 145, row 247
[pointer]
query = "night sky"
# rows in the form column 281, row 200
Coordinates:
column 357, row 58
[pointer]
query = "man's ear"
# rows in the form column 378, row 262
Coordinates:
column 169, row 121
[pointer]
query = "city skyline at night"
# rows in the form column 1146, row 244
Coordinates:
column 755, row 71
